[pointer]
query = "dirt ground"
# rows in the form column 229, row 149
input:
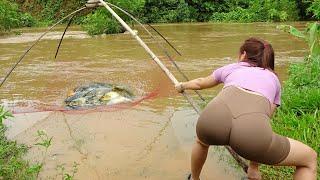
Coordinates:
column 125, row 144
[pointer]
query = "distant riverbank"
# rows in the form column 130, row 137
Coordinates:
column 34, row 13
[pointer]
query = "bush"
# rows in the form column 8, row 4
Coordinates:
column 12, row 165
column 302, row 89
column 11, row 17
column 169, row 11
column 26, row 20
column 100, row 22
column 237, row 15
column 315, row 9
column 253, row 11
column 50, row 9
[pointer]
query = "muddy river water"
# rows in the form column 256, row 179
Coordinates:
column 150, row 140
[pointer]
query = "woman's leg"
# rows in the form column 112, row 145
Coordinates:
column 253, row 171
column 304, row 158
column 198, row 158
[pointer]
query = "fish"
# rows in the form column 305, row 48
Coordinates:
column 77, row 102
column 98, row 94
column 114, row 98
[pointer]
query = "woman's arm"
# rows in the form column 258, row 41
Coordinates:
column 197, row 84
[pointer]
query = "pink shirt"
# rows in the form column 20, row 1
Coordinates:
column 255, row 79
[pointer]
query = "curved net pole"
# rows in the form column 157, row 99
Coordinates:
column 240, row 161
column 36, row 42
column 64, row 33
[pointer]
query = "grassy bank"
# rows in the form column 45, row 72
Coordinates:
column 12, row 164
column 299, row 115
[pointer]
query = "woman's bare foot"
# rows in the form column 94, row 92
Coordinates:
column 253, row 171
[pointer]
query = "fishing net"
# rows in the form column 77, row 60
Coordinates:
column 61, row 70
column 41, row 83
column 33, row 106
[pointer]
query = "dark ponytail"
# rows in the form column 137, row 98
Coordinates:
column 268, row 56
column 258, row 53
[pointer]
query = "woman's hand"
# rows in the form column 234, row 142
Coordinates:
column 179, row 87
column 197, row 84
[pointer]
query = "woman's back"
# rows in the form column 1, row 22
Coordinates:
column 255, row 79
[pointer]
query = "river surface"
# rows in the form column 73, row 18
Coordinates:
column 149, row 140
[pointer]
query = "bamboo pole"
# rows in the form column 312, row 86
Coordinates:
column 240, row 161
column 159, row 44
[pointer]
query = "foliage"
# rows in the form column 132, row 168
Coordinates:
column 311, row 35
column 168, row 11
column 4, row 115
column 134, row 7
column 304, row 13
column 65, row 175
column 12, row 17
column 228, row 10
column 257, row 11
column 12, row 165
column 100, row 22
column 154, row 11
column 315, row 8
column 49, row 11
column 299, row 114
column 203, row 9
column 44, row 141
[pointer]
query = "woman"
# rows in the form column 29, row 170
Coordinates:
column 239, row 115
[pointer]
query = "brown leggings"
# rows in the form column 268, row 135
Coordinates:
column 241, row 120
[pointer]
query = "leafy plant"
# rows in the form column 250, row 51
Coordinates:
column 101, row 22
column 12, row 17
column 311, row 35
column 299, row 115
column 256, row 10
column 4, row 114
column 12, row 164
column 44, row 141
column 65, row 175
column 315, row 8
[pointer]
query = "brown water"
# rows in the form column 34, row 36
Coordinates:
column 151, row 140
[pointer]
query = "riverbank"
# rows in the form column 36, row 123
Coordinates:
column 34, row 13
column 12, row 163
column 299, row 115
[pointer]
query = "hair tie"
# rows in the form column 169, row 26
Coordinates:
column 265, row 45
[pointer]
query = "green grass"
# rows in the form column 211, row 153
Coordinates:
column 299, row 115
column 12, row 164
